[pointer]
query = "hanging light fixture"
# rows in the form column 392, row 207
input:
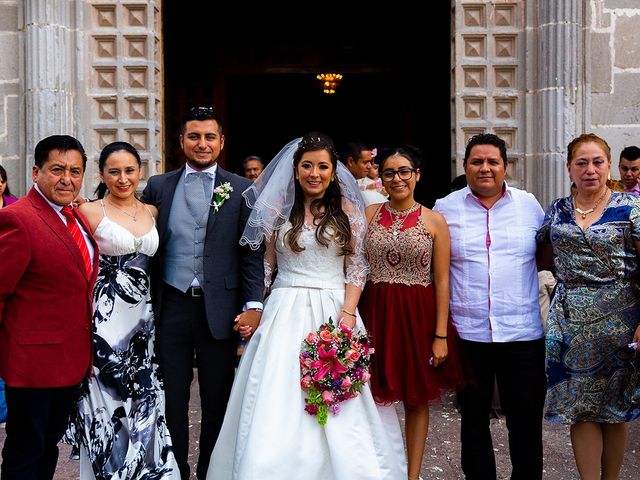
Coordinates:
column 329, row 82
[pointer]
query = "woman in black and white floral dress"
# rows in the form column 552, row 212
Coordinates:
column 120, row 423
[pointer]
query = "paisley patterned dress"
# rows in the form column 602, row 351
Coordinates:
column 594, row 313
column 119, row 423
column 398, row 307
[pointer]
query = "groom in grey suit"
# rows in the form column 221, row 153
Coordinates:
column 205, row 285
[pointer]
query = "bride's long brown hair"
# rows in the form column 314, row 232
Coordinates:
column 327, row 211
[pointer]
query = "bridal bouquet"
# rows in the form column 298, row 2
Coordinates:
column 334, row 366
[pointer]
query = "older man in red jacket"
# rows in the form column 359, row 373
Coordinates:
column 48, row 265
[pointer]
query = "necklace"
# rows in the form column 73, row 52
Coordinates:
column 396, row 224
column 584, row 213
column 135, row 212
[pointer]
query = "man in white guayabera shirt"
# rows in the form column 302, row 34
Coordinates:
column 494, row 306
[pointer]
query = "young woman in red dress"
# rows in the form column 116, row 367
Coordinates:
column 405, row 303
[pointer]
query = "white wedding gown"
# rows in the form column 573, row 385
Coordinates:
column 266, row 432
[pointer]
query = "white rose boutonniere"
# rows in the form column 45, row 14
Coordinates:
column 220, row 194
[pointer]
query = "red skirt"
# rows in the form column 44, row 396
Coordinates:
column 402, row 320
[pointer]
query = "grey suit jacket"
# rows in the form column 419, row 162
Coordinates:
column 233, row 274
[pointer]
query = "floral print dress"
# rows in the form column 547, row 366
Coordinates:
column 594, row 313
column 120, row 422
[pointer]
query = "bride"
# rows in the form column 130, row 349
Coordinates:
column 308, row 209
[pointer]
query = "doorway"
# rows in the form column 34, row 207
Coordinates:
column 262, row 79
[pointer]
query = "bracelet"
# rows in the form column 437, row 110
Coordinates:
column 348, row 313
column 440, row 337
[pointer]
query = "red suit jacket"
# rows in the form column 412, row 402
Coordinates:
column 45, row 298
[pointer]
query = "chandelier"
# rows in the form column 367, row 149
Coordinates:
column 329, row 82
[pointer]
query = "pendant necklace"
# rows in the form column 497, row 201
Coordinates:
column 396, row 225
column 135, row 213
column 584, row 213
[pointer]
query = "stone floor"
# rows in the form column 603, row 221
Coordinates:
column 442, row 457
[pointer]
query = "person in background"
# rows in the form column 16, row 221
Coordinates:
column 373, row 183
column 459, row 183
column 48, row 269
column 629, row 167
column 593, row 240
column 358, row 159
column 314, row 236
column 252, row 166
column 119, row 422
column 405, row 303
column 6, row 198
column 205, row 285
column 494, row 306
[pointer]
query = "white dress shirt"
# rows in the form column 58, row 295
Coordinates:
column 494, row 279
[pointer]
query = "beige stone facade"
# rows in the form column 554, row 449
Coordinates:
column 535, row 72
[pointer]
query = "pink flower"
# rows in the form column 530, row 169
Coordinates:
column 333, row 368
column 327, row 396
column 344, row 328
column 325, row 335
column 305, row 382
column 327, row 363
column 346, row 383
column 353, row 355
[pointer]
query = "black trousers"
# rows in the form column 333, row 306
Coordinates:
column 38, row 418
column 182, row 332
column 519, row 368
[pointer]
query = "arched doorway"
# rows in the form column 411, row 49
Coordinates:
column 262, row 80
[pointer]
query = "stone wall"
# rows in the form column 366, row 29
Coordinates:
column 536, row 72
column 614, row 72
column 12, row 146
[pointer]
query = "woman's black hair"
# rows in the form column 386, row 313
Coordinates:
column 3, row 175
column 101, row 190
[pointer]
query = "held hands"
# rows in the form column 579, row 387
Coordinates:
column 440, row 351
column 247, row 322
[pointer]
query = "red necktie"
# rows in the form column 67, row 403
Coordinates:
column 78, row 237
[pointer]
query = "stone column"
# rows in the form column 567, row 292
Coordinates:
column 557, row 42
column 51, row 70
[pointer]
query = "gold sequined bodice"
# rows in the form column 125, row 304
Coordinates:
column 399, row 247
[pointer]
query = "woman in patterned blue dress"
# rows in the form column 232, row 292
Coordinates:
column 119, row 423
column 595, row 312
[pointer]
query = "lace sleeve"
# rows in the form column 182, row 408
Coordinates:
column 270, row 261
column 356, row 266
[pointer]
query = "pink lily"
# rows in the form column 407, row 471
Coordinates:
column 327, row 362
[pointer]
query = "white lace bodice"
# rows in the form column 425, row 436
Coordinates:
column 316, row 266
column 114, row 239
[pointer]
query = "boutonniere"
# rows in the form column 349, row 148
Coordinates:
column 220, row 194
